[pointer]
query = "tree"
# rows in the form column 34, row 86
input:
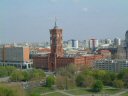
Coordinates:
column 123, row 75
column 10, row 69
column 27, row 75
column 6, row 70
column 80, row 80
column 105, row 76
column 6, row 92
column 68, row 74
column 88, row 72
column 38, row 74
column 17, row 75
column 88, row 81
column 60, row 82
column 69, row 71
column 3, row 71
column 99, row 74
column 118, row 83
column 50, row 80
column 108, row 78
column 21, row 75
column 98, row 86
column 11, row 90
column 113, row 75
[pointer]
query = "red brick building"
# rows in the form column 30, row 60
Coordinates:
column 57, row 59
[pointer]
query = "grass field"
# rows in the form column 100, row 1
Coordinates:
column 77, row 91
column 125, row 94
column 39, row 90
column 111, row 91
column 85, row 91
column 55, row 94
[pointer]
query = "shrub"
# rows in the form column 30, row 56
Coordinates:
column 50, row 80
column 98, row 86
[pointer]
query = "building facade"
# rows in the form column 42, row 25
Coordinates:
column 57, row 59
column 15, row 56
column 93, row 44
column 122, row 50
column 111, row 65
column 117, row 42
column 73, row 44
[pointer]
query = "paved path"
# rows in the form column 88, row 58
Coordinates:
column 43, row 94
column 59, row 91
column 68, row 94
column 120, row 93
column 63, row 92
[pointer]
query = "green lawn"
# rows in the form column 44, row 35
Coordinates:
column 111, row 91
column 125, row 94
column 55, row 94
column 39, row 90
column 78, row 92
column 85, row 91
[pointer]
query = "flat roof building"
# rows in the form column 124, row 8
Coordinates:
column 15, row 56
column 111, row 65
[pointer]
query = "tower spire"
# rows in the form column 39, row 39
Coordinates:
column 55, row 23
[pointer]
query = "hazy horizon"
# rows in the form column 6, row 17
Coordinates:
column 30, row 20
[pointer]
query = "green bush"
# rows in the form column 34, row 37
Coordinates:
column 80, row 80
column 17, row 75
column 118, row 83
column 50, row 80
column 6, row 70
column 37, row 74
column 11, row 90
column 6, row 92
column 21, row 75
column 98, row 86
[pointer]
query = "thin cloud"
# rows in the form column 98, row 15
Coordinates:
column 85, row 9
column 53, row 1
column 76, row 1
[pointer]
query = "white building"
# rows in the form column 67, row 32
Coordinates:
column 117, row 41
column 73, row 43
column 108, row 41
column 85, row 43
column 93, row 43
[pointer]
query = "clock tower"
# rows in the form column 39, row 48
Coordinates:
column 56, row 43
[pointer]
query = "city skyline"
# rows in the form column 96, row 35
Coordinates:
column 30, row 21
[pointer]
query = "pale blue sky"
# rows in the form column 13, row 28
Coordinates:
column 30, row 20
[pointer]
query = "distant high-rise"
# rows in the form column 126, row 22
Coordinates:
column 108, row 41
column 93, row 44
column 126, row 42
column 117, row 42
column 73, row 43
column 122, row 51
column 126, row 38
